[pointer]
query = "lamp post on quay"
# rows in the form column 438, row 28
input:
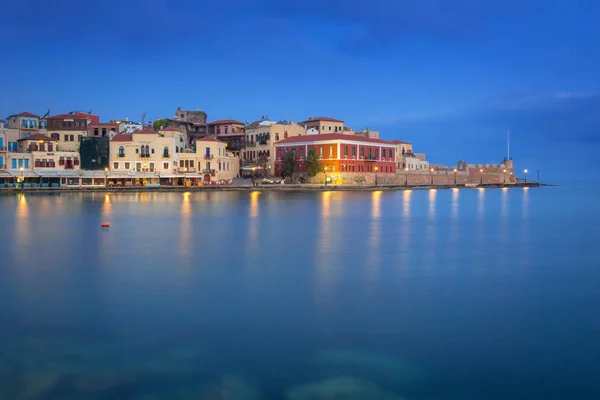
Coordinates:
column 504, row 176
column 481, row 177
column 455, row 170
column 376, row 175
column 406, row 176
column 105, row 177
column 431, row 170
column 525, row 176
column 325, row 172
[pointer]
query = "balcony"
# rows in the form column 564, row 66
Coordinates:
column 370, row 158
column 121, row 155
column 186, row 169
column 207, row 171
column 208, row 156
column 262, row 141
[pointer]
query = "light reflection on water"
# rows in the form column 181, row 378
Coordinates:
column 406, row 293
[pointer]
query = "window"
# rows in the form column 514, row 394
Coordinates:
column 285, row 135
column 116, row 165
column 219, row 165
column 103, row 132
column 181, row 164
column 362, row 151
column 354, row 152
column 152, row 151
column 55, row 136
column 137, row 151
column 208, row 166
column 191, row 163
column 329, row 127
column 147, row 151
column 330, row 150
column 370, row 153
column 377, row 154
column 96, row 131
column 226, row 129
column 66, row 138
column 218, row 130
column 383, row 153
column 320, row 152
column 121, row 151
column 277, row 137
column 127, row 165
column 294, row 154
column 166, row 152
column 301, row 153
column 151, row 167
column 138, row 166
column 279, row 153
column 166, row 165
column 345, row 150
column 72, row 138
column 61, row 161
column 76, row 161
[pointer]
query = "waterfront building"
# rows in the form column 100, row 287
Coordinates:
column 179, row 136
column 339, row 153
column 104, row 129
column 231, row 132
column 323, row 125
column 69, row 129
column 261, row 137
column 142, row 151
column 192, row 123
column 368, row 133
column 26, row 124
column 214, row 161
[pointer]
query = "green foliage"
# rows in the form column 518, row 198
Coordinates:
column 159, row 124
column 313, row 167
column 289, row 165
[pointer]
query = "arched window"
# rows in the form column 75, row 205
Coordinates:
column 330, row 150
column 321, row 152
column 147, row 151
column 166, row 152
column 121, row 151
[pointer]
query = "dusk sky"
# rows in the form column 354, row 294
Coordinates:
column 452, row 77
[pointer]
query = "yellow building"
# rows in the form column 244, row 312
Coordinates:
column 214, row 161
column 324, row 125
column 143, row 151
column 261, row 137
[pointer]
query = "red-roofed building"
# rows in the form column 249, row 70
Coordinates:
column 69, row 129
column 339, row 153
column 103, row 129
column 26, row 123
column 229, row 131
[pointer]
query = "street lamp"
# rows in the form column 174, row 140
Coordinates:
column 406, row 176
column 105, row 177
column 525, row 176
column 376, row 175
column 185, row 176
column 325, row 172
column 481, row 179
column 504, row 176
column 22, row 178
column 431, row 170
column 455, row 170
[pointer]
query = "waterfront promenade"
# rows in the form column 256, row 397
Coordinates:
column 268, row 187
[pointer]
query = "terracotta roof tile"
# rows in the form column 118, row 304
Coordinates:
column 145, row 132
column 25, row 114
column 226, row 122
column 327, row 119
column 38, row 137
column 330, row 136
column 208, row 139
column 122, row 138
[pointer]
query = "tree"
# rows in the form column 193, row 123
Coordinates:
column 160, row 124
column 313, row 167
column 289, row 165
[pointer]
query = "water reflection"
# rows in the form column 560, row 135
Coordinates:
column 374, row 244
column 22, row 227
column 253, row 234
column 430, row 231
column 185, row 225
column 453, row 241
column 324, row 254
column 404, row 232
column 481, row 203
column 406, row 203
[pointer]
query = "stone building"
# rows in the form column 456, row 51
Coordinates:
column 192, row 123
column 69, row 129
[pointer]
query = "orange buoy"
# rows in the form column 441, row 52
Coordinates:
column 105, row 225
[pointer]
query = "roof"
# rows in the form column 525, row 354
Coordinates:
column 145, row 132
column 25, row 114
column 38, row 137
column 104, row 124
column 226, row 122
column 70, row 116
column 330, row 136
column 208, row 139
column 313, row 119
column 399, row 142
column 169, row 129
column 122, row 138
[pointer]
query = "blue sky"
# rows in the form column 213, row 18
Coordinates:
column 451, row 76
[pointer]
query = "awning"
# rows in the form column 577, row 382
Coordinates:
column 58, row 174
column 93, row 174
column 251, row 168
column 165, row 175
column 5, row 174
column 25, row 173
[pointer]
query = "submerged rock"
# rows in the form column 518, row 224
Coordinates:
column 342, row 388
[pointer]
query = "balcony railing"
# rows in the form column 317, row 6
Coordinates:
column 262, row 141
column 209, row 171
column 209, row 156
column 186, row 169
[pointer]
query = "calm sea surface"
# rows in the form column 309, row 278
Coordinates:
column 447, row 294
